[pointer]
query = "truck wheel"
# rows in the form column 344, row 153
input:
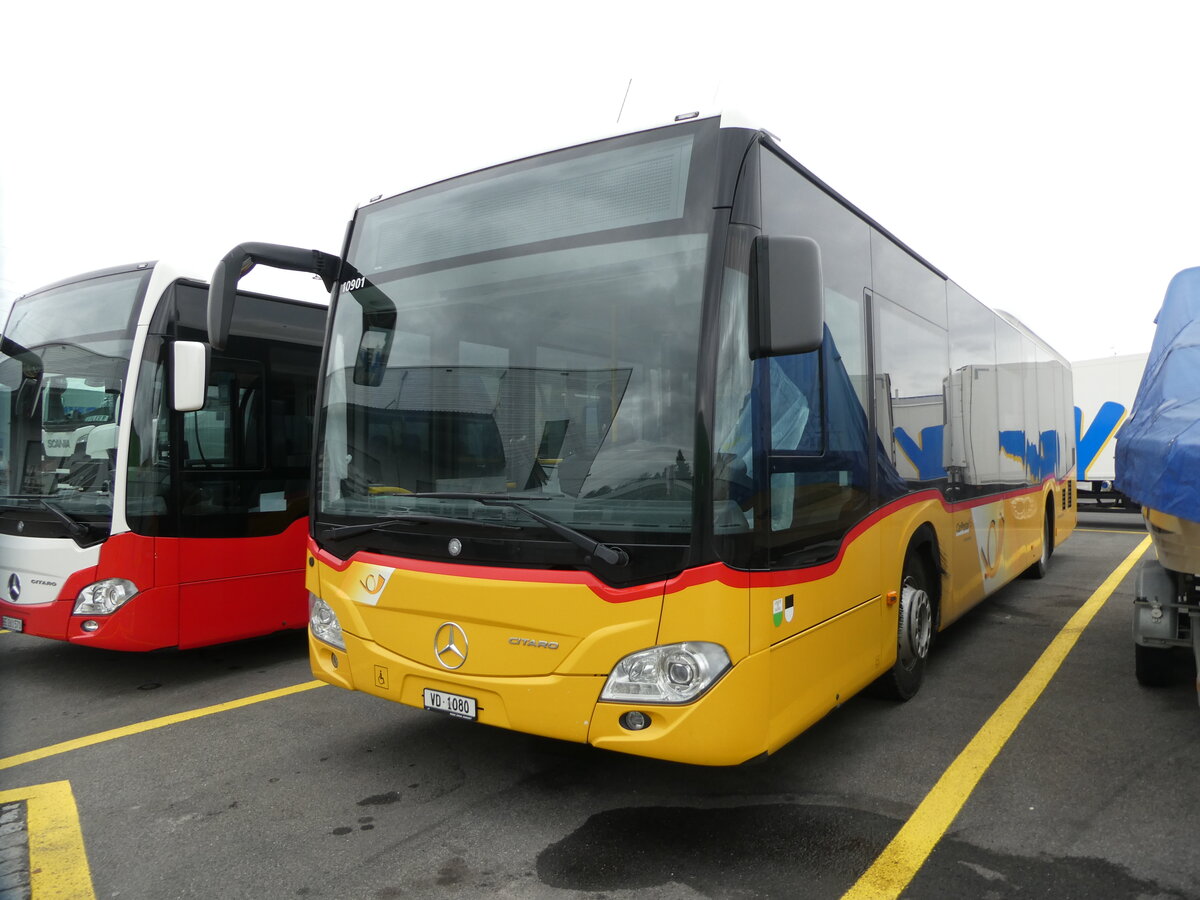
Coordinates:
column 914, row 633
column 1152, row 665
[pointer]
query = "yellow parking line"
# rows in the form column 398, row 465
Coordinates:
column 903, row 857
column 58, row 865
column 9, row 762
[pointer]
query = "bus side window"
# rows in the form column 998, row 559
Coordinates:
column 228, row 432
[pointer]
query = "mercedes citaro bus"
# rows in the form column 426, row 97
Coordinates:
column 142, row 507
column 660, row 444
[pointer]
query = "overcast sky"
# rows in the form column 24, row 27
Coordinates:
column 1045, row 155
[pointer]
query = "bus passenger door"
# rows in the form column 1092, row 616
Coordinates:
column 821, row 609
column 243, row 511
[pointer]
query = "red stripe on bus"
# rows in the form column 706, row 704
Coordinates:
column 704, row 574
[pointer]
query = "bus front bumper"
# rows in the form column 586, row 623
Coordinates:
column 48, row 620
column 139, row 625
column 726, row 726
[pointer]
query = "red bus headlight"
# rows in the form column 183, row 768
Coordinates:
column 103, row 598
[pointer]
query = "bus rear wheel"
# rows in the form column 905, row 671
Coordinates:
column 914, row 633
column 1042, row 566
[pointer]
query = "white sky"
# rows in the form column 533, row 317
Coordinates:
column 1045, row 155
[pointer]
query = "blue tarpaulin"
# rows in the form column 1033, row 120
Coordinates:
column 1158, row 447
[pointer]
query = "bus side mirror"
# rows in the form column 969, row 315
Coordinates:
column 373, row 349
column 189, row 375
column 30, row 389
column 787, row 296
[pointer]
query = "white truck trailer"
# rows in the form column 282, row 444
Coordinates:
column 1104, row 392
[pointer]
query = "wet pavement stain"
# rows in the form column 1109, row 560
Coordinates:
column 453, row 871
column 380, row 799
column 783, row 850
column 745, row 851
column 959, row 869
column 365, row 823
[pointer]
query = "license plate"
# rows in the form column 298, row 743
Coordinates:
column 452, row 704
column 12, row 624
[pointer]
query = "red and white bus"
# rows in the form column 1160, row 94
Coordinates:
column 126, row 521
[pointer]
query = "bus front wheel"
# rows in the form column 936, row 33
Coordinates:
column 914, row 631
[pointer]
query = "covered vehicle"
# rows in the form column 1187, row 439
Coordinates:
column 1158, row 466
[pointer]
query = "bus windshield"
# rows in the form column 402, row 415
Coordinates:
column 528, row 333
column 63, row 365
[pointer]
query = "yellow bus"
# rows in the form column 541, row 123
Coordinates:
column 658, row 443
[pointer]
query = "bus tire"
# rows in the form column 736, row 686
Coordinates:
column 914, row 631
column 1042, row 566
column 1152, row 665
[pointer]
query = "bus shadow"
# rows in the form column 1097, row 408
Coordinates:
column 55, row 666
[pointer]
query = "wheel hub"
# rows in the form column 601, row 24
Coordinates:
column 916, row 623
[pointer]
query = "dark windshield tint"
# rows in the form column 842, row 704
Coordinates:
column 609, row 189
column 96, row 314
column 604, row 412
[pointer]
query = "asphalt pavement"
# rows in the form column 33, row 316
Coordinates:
column 320, row 793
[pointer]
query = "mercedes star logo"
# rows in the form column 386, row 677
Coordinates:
column 450, row 645
column 14, row 587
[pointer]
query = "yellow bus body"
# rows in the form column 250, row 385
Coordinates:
column 542, row 643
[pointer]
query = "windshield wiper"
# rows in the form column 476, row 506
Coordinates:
column 614, row 556
column 338, row 532
column 75, row 528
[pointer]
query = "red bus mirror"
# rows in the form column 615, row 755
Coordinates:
column 189, row 375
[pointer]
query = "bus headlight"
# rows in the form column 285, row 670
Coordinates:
column 324, row 622
column 103, row 598
column 672, row 673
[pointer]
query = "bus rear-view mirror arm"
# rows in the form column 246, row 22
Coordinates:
column 244, row 257
column 787, row 297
